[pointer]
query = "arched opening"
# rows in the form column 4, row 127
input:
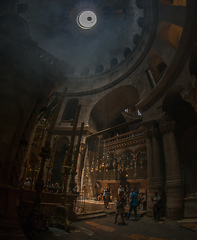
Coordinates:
column 70, row 109
column 140, row 22
column 170, row 33
column 136, row 38
column 156, row 65
column 126, row 52
column 112, row 105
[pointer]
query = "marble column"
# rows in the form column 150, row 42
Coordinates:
column 174, row 186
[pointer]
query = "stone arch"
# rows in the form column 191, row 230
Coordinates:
column 111, row 105
column 170, row 33
column 141, row 157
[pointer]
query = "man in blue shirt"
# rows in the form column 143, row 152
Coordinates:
column 133, row 205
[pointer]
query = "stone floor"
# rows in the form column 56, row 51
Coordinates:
column 103, row 228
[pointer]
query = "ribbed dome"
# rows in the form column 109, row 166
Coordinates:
column 114, row 38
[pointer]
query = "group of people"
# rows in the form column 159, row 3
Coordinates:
column 122, row 201
column 135, row 201
column 105, row 196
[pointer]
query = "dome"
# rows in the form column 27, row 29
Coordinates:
column 115, row 42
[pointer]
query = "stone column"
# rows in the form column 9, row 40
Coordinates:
column 174, row 186
column 158, row 175
column 150, row 169
column 80, row 165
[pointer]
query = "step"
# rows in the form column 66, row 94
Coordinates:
column 88, row 216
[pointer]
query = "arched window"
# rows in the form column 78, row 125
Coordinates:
column 136, row 38
column 171, row 33
column 99, row 69
column 174, row 2
column 85, row 71
column 127, row 51
column 114, row 62
column 70, row 109
column 141, row 159
column 140, row 22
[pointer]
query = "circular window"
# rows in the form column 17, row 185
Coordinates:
column 86, row 19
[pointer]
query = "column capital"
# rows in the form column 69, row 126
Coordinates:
column 146, row 133
column 154, row 131
column 167, row 126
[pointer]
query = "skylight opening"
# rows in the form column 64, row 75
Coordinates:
column 86, row 19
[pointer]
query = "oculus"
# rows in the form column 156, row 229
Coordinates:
column 86, row 19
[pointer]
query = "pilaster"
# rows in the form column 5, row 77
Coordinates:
column 174, row 186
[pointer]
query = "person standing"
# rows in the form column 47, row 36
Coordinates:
column 107, row 198
column 120, row 207
column 120, row 189
column 133, row 205
column 156, row 206
column 127, row 193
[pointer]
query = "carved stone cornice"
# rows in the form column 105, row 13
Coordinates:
column 167, row 127
column 189, row 94
column 124, row 144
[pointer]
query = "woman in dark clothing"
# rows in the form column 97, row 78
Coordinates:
column 120, row 207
